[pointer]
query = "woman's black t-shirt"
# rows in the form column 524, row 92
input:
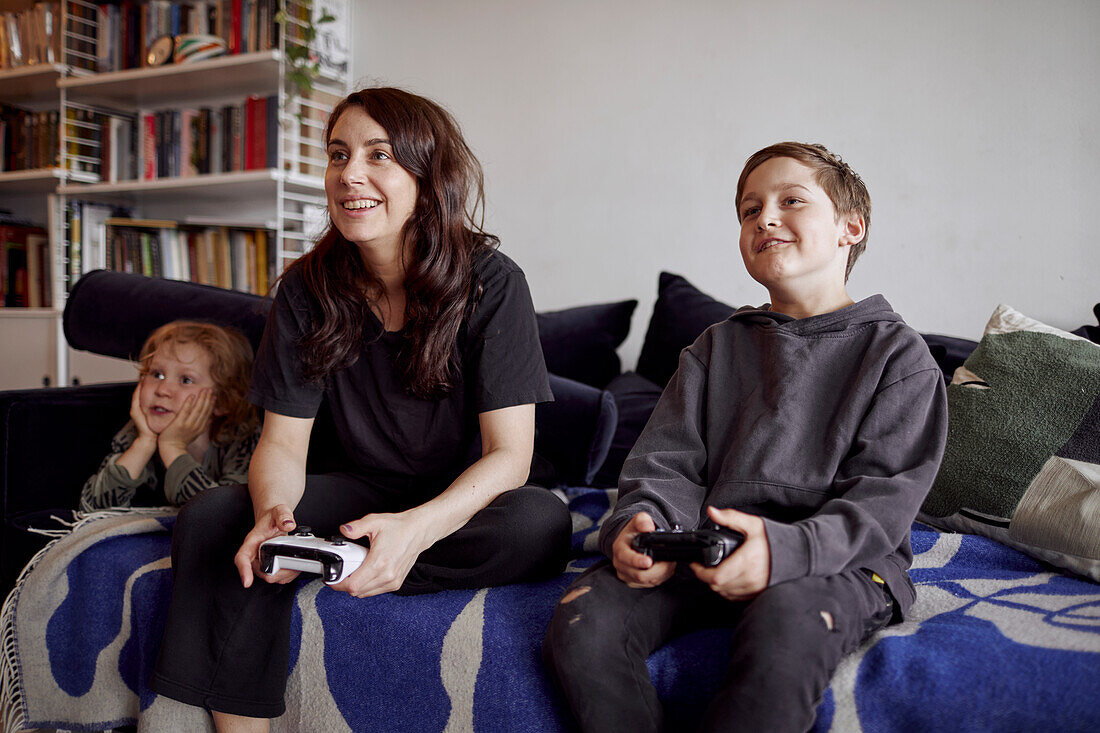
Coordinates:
column 382, row 428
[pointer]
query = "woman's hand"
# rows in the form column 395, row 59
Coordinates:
column 745, row 573
column 634, row 568
column 192, row 421
column 396, row 540
column 276, row 521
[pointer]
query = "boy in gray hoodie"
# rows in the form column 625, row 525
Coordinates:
column 814, row 426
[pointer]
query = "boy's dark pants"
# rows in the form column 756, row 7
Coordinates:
column 227, row 648
column 786, row 644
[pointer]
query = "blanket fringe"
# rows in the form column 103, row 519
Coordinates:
column 12, row 710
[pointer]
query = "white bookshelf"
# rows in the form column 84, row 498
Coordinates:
column 287, row 198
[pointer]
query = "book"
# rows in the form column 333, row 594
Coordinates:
column 261, row 262
column 255, row 143
column 223, row 269
column 148, row 146
column 215, row 146
column 38, row 271
column 271, row 131
column 93, row 235
column 187, row 142
column 72, row 244
column 236, row 138
column 200, row 154
column 15, row 254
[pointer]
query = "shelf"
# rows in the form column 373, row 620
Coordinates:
column 31, row 182
column 236, row 76
column 8, row 311
column 33, row 86
column 222, row 186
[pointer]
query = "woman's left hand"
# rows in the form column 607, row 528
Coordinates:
column 396, row 540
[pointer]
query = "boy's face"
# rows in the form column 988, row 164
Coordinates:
column 176, row 371
column 791, row 237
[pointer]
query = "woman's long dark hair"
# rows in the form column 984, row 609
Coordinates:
column 440, row 242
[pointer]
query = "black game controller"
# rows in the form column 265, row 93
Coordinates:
column 708, row 546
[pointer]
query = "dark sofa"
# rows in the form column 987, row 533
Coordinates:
column 470, row 660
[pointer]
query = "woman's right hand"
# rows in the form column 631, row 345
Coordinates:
column 276, row 521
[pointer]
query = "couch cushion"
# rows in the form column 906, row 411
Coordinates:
column 635, row 397
column 948, row 351
column 1022, row 463
column 112, row 313
column 574, row 432
column 1092, row 333
column 579, row 343
column 681, row 313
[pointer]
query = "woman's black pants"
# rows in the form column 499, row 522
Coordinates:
column 226, row 648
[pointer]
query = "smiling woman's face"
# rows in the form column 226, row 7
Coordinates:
column 370, row 196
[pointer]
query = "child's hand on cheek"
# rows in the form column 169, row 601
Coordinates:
column 192, row 421
column 745, row 573
column 138, row 415
column 135, row 458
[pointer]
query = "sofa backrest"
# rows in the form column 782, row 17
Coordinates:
column 111, row 313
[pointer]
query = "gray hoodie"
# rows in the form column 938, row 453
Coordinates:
column 831, row 428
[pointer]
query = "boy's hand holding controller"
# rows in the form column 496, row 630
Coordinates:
column 745, row 573
column 634, row 568
column 273, row 522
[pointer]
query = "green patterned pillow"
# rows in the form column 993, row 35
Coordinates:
column 1022, row 463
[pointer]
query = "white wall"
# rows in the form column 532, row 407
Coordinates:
column 612, row 134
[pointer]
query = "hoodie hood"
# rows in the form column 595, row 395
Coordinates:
column 873, row 309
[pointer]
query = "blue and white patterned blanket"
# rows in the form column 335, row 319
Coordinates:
column 995, row 641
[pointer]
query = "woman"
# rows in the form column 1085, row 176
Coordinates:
column 422, row 339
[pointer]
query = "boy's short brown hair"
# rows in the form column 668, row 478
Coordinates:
column 842, row 184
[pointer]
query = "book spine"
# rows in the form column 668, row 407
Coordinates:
column 271, row 137
column 149, row 146
column 256, row 140
column 237, row 142
column 235, row 27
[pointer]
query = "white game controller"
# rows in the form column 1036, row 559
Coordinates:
column 333, row 559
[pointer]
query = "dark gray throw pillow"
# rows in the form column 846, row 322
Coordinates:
column 574, row 432
column 579, row 343
column 681, row 313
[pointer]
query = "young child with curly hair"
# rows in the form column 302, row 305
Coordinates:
column 190, row 425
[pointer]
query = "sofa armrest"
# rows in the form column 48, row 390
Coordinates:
column 51, row 441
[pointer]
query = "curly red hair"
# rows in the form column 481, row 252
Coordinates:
column 230, row 368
